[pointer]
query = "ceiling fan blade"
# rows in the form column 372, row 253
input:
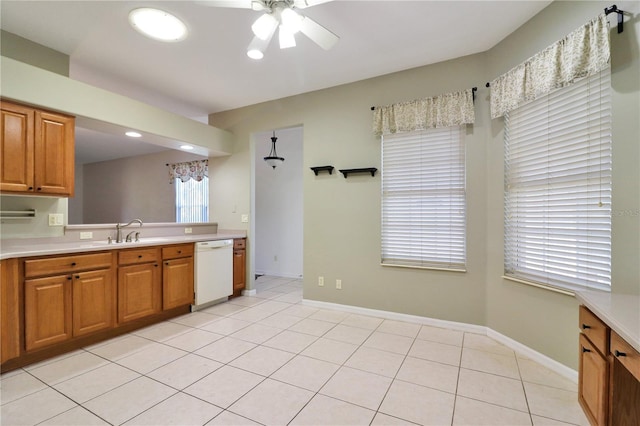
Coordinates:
column 301, row 4
column 236, row 4
column 319, row 34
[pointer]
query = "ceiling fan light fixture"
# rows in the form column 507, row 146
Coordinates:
column 264, row 26
column 157, row 24
column 291, row 20
column 286, row 38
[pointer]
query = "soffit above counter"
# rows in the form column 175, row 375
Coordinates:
column 96, row 107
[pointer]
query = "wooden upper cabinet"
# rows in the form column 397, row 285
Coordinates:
column 17, row 151
column 54, row 153
column 37, row 151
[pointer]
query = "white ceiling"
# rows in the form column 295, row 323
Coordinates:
column 210, row 72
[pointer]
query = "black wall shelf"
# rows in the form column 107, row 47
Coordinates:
column 347, row 172
column 318, row 169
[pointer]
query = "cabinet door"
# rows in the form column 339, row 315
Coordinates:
column 239, row 275
column 177, row 282
column 93, row 300
column 139, row 291
column 16, row 150
column 593, row 382
column 9, row 310
column 47, row 306
column 54, row 153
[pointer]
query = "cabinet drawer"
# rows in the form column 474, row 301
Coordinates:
column 131, row 257
column 63, row 264
column 626, row 354
column 182, row 250
column 594, row 329
column 239, row 243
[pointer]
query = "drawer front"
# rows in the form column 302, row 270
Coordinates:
column 64, row 264
column 626, row 354
column 181, row 250
column 239, row 243
column 132, row 257
column 594, row 329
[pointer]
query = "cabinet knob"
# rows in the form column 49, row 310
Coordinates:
column 69, row 277
column 585, row 349
column 156, row 265
column 77, row 277
column 618, row 353
column 179, row 251
column 585, row 326
column 140, row 256
column 73, row 263
column 166, row 263
column 31, row 188
column 39, row 189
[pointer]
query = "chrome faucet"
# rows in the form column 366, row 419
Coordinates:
column 119, row 229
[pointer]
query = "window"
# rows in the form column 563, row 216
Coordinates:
column 558, row 187
column 192, row 200
column 423, row 199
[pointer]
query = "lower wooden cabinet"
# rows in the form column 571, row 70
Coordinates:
column 139, row 291
column 239, row 266
column 93, row 301
column 48, row 315
column 10, row 306
column 177, row 282
column 593, row 382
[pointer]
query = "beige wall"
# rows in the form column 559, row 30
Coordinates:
column 342, row 217
column 23, row 50
column 133, row 187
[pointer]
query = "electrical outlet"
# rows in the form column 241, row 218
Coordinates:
column 86, row 235
column 244, row 218
column 321, row 281
column 339, row 284
column 188, row 230
column 56, row 219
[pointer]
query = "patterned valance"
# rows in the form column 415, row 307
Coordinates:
column 582, row 53
column 450, row 109
column 196, row 170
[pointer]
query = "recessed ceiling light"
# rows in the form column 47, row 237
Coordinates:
column 158, row 24
column 133, row 134
column 186, row 147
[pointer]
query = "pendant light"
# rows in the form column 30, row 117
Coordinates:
column 273, row 160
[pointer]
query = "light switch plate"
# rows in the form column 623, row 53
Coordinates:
column 56, row 219
column 188, row 230
column 86, row 235
column 244, row 218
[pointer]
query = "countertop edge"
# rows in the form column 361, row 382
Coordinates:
column 601, row 304
column 15, row 250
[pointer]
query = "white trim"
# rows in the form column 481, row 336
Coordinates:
column 459, row 326
column 279, row 274
column 251, row 292
column 536, row 356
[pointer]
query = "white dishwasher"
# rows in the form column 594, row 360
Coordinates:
column 213, row 272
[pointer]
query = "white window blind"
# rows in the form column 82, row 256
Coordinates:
column 423, row 199
column 192, row 200
column 558, row 187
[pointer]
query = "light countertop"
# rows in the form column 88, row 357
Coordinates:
column 46, row 246
column 621, row 312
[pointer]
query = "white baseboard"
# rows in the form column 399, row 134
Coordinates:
column 279, row 274
column 251, row 292
column 536, row 356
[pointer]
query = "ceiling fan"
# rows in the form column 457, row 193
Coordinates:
column 280, row 15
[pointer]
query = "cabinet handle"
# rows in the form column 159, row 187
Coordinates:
column 166, row 263
column 31, row 188
column 585, row 326
column 73, row 263
column 140, row 256
column 77, row 277
column 585, row 350
column 39, row 189
column 69, row 277
column 618, row 353
column 156, row 265
column 179, row 251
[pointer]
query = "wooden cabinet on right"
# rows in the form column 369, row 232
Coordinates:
column 239, row 266
column 36, row 151
column 608, row 376
column 139, row 284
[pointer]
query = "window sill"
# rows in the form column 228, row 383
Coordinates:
column 432, row 268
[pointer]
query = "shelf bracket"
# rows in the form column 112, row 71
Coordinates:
column 318, row 169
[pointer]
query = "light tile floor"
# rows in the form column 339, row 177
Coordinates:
column 270, row 360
